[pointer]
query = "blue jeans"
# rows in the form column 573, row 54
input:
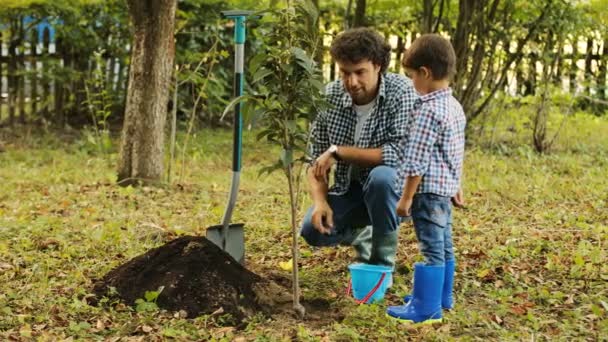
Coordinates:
column 373, row 203
column 432, row 216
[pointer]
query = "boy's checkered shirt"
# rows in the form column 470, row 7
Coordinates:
column 434, row 144
column 385, row 127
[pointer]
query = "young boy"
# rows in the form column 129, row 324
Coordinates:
column 434, row 150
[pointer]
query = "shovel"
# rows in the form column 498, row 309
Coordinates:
column 230, row 237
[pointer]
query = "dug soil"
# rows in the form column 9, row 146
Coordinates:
column 197, row 277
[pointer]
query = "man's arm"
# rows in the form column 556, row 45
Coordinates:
column 322, row 215
column 366, row 157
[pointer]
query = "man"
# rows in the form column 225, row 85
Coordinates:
column 361, row 133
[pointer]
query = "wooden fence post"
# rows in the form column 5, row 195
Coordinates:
column 34, row 75
column 12, row 67
column 46, row 87
column 59, row 83
column 21, row 73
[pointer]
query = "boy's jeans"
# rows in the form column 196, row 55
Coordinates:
column 432, row 216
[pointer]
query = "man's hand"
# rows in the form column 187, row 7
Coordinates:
column 458, row 199
column 404, row 206
column 323, row 218
column 323, row 164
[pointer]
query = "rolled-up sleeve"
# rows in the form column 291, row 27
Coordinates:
column 392, row 150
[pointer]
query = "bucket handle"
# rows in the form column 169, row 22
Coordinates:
column 369, row 294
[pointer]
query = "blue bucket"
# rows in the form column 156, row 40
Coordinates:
column 367, row 281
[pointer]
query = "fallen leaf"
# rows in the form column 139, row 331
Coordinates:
column 287, row 265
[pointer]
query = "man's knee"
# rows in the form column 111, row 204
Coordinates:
column 381, row 177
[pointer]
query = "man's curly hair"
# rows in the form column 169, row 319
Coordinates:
column 358, row 44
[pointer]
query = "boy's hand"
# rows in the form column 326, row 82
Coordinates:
column 458, row 199
column 404, row 207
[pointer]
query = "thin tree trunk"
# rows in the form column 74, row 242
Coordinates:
column 603, row 79
column 588, row 71
column 295, row 256
column 439, row 16
column 559, row 66
column 532, row 74
column 153, row 52
column 460, row 41
column 426, row 24
column 359, row 19
column 347, row 18
column 573, row 66
column 400, row 48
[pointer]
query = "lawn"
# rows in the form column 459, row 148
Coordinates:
column 531, row 245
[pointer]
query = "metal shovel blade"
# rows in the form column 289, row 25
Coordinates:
column 235, row 240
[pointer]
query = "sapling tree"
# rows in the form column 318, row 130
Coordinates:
column 287, row 92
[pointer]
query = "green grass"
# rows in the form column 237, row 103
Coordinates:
column 532, row 245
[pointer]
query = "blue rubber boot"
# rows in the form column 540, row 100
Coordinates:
column 447, row 301
column 425, row 305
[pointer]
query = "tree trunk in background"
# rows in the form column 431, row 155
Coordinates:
column 588, row 71
column 573, row 66
column 426, row 24
column 460, row 41
column 153, row 52
column 532, row 74
column 603, row 79
column 359, row 19
column 557, row 76
column 320, row 48
column 400, row 48
column 347, row 18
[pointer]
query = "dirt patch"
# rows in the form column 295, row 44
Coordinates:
column 197, row 276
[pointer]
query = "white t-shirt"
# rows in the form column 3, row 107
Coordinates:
column 363, row 112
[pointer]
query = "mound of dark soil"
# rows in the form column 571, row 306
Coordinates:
column 197, row 277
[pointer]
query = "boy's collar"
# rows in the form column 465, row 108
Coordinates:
column 445, row 92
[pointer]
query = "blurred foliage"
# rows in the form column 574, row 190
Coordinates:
column 204, row 50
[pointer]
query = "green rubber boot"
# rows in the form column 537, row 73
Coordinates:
column 384, row 251
column 362, row 243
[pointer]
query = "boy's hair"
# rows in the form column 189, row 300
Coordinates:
column 358, row 44
column 434, row 52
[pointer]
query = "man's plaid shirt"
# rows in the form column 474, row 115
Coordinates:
column 385, row 127
column 434, row 145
